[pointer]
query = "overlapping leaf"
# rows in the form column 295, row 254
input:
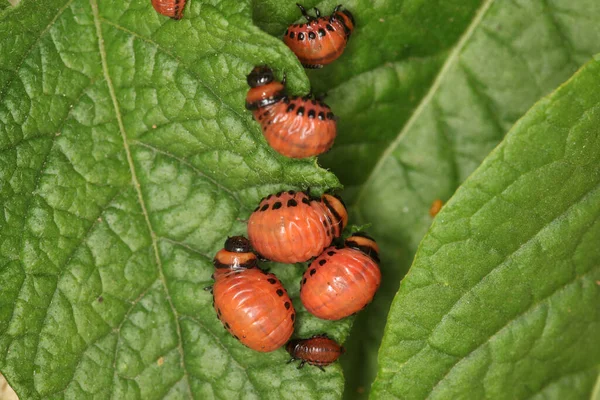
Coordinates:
column 502, row 299
column 126, row 158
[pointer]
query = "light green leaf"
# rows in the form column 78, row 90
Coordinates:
column 424, row 91
column 596, row 391
column 126, row 159
column 502, row 299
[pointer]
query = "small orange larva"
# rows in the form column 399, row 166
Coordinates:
column 436, row 206
column 170, row 8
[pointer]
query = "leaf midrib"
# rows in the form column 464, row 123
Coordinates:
column 448, row 64
column 138, row 188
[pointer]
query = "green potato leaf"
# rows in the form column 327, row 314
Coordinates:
column 425, row 90
column 126, row 159
column 502, row 301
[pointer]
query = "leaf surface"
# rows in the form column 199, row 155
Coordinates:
column 502, row 299
column 126, row 159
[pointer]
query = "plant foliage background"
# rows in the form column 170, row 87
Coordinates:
column 127, row 158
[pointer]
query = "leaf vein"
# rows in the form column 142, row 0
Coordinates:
column 34, row 44
column 448, row 65
column 502, row 263
column 537, row 304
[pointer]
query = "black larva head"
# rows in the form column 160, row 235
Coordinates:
column 260, row 76
column 238, row 244
column 291, row 346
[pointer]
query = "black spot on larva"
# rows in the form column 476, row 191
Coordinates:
column 219, row 311
column 269, row 196
column 277, row 205
column 293, row 317
column 314, row 102
column 328, row 233
column 287, row 305
column 227, row 325
column 292, row 35
column 236, row 337
column 322, row 32
column 305, row 200
column 264, row 272
column 322, row 262
column 322, row 116
column 291, row 192
column 329, row 28
column 330, row 115
column 271, row 281
column 291, row 107
column 279, row 292
column 265, row 207
column 292, row 203
column 300, row 111
column 311, row 35
column 330, row 253
column 256, row 209
column 301, row 36
column 313, row 271
column 287, row 32
column 311, row 114
column 286, row 100
column 303, row 281
column 278, row 194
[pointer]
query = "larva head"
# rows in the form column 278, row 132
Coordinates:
column 236, row 254
column 363, row 242
column 264, row 90
column 260, row 76
column 337, row 208
column 290, row 347
column 238, row 244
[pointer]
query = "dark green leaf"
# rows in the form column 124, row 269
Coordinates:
column 126, row 158
column 502, row 299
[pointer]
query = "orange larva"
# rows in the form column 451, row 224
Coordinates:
column 341, row 282
column 292, row 227
column 251, row 303
column 296, row 127
column 322, row 39
column 169, row 8
column 436, row 206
